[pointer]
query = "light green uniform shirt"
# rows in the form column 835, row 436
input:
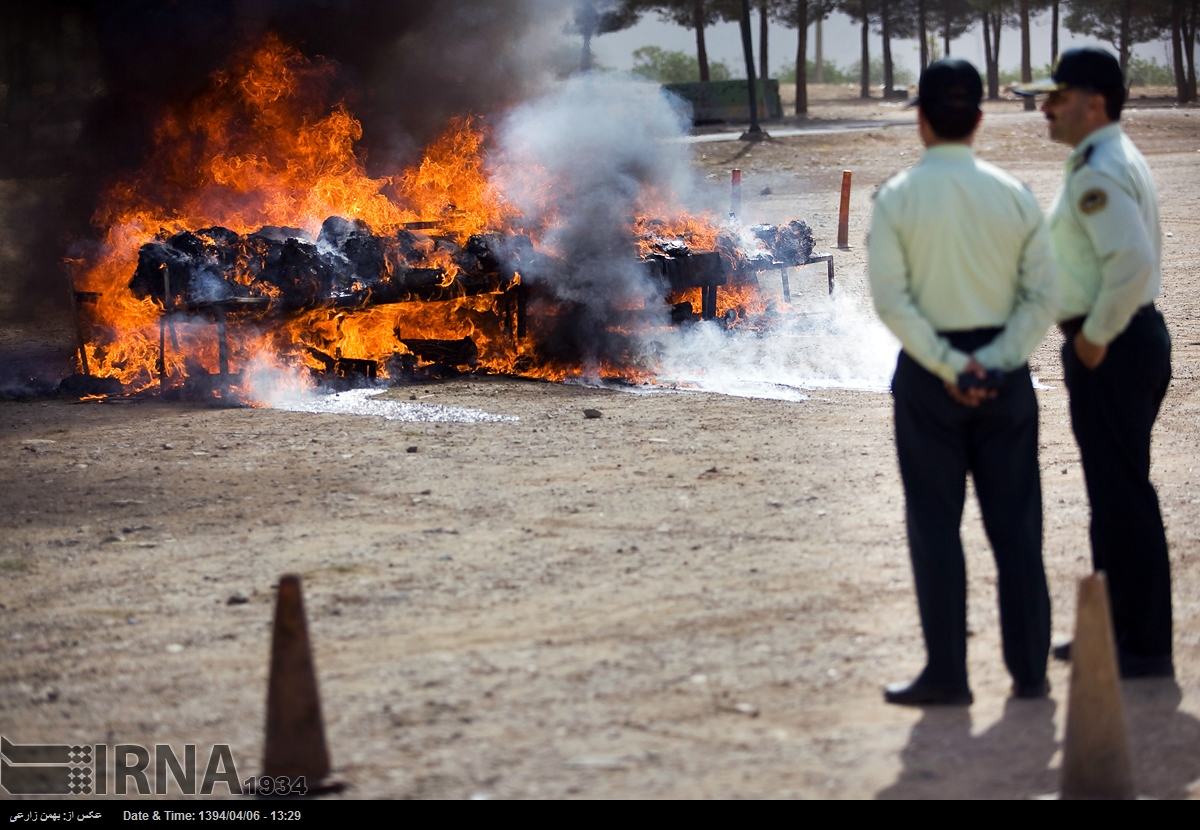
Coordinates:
column 1106, row 236
column 957, row 244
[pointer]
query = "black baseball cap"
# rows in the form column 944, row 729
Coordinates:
column 1086, row 66
column 949, row 85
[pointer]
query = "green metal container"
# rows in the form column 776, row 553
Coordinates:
column 728, row 100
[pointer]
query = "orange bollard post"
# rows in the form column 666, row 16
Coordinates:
column 844, row 214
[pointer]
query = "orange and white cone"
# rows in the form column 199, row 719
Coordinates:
column 295, row 744
column 1096, row 760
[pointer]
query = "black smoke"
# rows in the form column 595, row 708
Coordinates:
column 86, row 82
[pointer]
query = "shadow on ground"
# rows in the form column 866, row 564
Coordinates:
column 1011, row 759
column 1165, row 742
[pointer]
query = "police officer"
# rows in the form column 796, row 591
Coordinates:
column 1117, row 355
column 961, row 271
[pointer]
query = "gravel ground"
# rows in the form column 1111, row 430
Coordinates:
column 694, row 595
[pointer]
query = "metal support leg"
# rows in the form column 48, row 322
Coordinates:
column 162, row 351
column 830, row 265
column 787, row 289
column 222, row 352
column 708, row 302
column 522, row 310
column 80, row 344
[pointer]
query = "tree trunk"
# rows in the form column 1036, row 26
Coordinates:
column 802, row 56
column 1181, row 90
column 923, row 34
column 748, row 53
column 763, row 31
column 1026, row 67
column 997, row 28
column 866, row 52
column 1189, row 40
column 946, row 35
column 885, row 25
column 820, row 59
column 701, row 50
column 989, row 60
column 1126, row 14
column 1053, row 32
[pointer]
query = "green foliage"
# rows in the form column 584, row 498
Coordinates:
column 670, row 67
column 1008, row 77
column 1123, row 23
column 1149, row 73
column 682, row 12
column 833, row 75
column 901, row 76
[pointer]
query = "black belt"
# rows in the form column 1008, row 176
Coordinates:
column 1072, row 327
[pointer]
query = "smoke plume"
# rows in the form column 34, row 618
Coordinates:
column 582, row 160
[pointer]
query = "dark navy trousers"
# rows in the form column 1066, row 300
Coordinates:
column 939, row 441
column 1113, row 409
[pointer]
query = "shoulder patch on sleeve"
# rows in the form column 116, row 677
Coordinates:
column 1093, row 201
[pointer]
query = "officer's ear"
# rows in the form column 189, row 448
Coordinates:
column 1096, row 107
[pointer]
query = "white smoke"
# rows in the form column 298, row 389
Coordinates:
column 601, row 148
column 269, row 383
column 837, row 343
column 582, row 160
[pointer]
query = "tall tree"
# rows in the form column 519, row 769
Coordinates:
column 862, row 12
column 952, row 19
column 768, row 10
column 696, row 15
column 1183, row 41
column 764, row 32
column 1026, row 66
column 922, row 31
column 1123, row 23
column 599, row 17
column 798, row 15
column 1054, row 4
column 885, row 32
column 1189, row 43
column 995, row 16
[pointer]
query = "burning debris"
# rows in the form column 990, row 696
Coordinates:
column 527, row 263
column 346, row 266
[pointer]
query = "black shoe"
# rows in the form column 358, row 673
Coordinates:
column 919, row 693
column 1062, row 651
column 1032, row 691
column 1135, row 666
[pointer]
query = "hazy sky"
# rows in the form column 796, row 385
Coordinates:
column 842, row 44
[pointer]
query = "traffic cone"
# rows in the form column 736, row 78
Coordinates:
column 1096, row 762
column 295, row 744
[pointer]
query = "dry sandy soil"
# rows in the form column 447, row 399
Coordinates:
column 695, row 595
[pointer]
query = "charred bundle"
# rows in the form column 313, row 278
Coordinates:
column 346, row 266
column 791, row 244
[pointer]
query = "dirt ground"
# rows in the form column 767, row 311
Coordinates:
column 695, row 595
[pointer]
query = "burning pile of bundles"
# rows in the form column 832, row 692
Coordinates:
column 282, row 271
column 346, row 266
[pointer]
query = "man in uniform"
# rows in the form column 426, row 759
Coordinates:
column 961, row 271
column 1117, row 355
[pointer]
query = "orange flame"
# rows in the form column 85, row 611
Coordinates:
column 261, row 148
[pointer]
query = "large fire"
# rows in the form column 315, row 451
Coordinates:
column 266, row 148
